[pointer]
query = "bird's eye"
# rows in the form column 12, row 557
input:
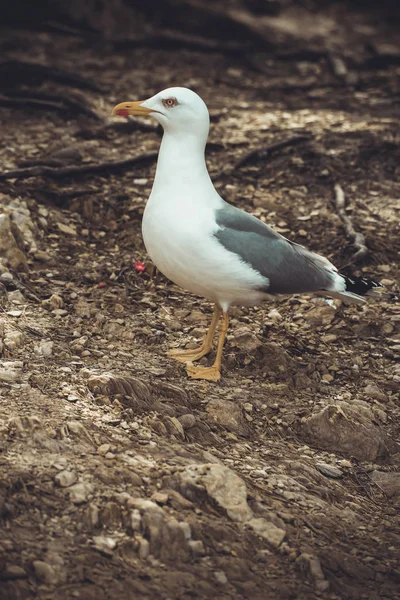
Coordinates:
column 170, row 102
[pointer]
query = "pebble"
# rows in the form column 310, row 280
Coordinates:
column 94, row 515
column 220, row 577
column 373, row 391
column 16, row 297
column 160, row 497
column 14, row 313
column 79, row 492
column 13, row 572
column 44, row 348
column 10, row 372
column 104, row 543
column 65, row 478
column 327, row 377
column 55, row 301
column 187, row 421
column 275, row 315
column 103, row 449
column 267, row 530
column 45, row 572
column 67, row 229
column 144, row 548
column 196, row 548
column 13, row 340
column 329, row 470
column 186, row 529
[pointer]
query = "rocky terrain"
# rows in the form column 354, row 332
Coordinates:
column 120, row 477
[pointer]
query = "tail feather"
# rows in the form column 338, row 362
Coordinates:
column 361, row 286
column 353, row 289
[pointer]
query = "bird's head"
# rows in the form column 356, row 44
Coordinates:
column 177, row 109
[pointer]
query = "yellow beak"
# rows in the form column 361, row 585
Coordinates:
column 130, row 108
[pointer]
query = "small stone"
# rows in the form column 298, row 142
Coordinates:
column 42, row 256
column 13, row 572
column 55, row 301
column 160, row 497
column 267, row 530
column 13, row 340
column 328, row 338
column 79, row 492
column 329, row 470
column 10, row 375
column 104, row 544
column 312, row 564
column 93, row 515
column 196, row 548
column 136, row 520
column 65, row 478
column 275, row 315
column 14, row 313
column 327, row 377
column 228, row 415
column 103, row 449
column 220, row 577
column 187, row 421
column 144, row 548
column 321, row 314
column 72, row 398
column 186, row 529
column 16, row 297
column 44, row 348
column 375, row 392
column 67, row 229
column 45, row 573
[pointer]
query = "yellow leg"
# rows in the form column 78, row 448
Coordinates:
column 196, row 353
column 212, row 373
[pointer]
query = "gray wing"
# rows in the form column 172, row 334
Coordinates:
column 290, row 268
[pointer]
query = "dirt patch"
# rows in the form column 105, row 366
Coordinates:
column 121, row 478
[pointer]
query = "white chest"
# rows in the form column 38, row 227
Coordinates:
column 179, row 238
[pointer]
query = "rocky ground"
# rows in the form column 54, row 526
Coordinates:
column 120, row 477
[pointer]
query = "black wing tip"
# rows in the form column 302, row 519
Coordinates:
column 360, row 285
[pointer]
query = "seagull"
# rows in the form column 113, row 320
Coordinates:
column 210, row 247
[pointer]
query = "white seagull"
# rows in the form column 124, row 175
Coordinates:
column 210, row 247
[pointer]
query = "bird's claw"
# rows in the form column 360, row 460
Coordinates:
column 185, row 356
column 208, row 373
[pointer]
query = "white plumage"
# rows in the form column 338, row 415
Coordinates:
column 209, row 247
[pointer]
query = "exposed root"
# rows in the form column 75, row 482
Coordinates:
column 54, row 173
column 357, row 238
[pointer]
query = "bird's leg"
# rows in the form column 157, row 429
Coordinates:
column 212, row 373
column 196, row 353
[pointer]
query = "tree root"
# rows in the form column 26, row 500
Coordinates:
column 59, row 173
column 357, row 238
column 15, row 71
column 46, row 101
column 260, row 153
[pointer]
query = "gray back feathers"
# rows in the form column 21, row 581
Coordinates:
column 289, row 267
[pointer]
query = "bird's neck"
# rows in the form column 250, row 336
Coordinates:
column 181, row 163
